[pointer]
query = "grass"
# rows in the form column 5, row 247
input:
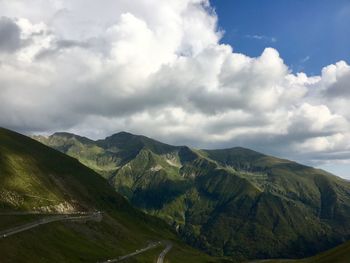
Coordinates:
column 339, row 254
column 36, row 177
column 9, row 221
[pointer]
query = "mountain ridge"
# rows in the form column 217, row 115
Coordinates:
column 235, row 202
column 35, row 177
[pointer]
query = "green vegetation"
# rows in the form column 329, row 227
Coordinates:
column 10, row 221
column 232, row 202
column 340, row 254
column 34, row 177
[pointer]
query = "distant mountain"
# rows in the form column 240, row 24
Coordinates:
column 234, row 202
column 36, row 178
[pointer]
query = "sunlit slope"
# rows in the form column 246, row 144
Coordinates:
column 34, row 177
column 233, row 202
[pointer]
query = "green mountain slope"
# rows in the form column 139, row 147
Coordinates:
column 233, row 202
column 34, row 177
column 339, row 254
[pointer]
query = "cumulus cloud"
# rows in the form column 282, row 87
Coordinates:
column 158, row 68
column 336, row 80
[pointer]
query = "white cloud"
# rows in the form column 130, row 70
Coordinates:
column 157, row 68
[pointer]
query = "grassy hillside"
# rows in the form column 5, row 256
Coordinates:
column 233, row 202
column 339, row 254
column 34, row 177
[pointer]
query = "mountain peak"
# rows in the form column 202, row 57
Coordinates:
column 128, row 140
column 64, row 134
column 123, row 133
column 120, row 137
column 68, row 136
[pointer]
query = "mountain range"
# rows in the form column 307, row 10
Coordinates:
column 38, row 182
column 230, row 202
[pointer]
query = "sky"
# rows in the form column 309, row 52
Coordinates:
column 308, row 34
column 267, row 75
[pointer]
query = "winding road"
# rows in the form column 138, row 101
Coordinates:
column 96, row 216
column 161, row 257
column 140, row 251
